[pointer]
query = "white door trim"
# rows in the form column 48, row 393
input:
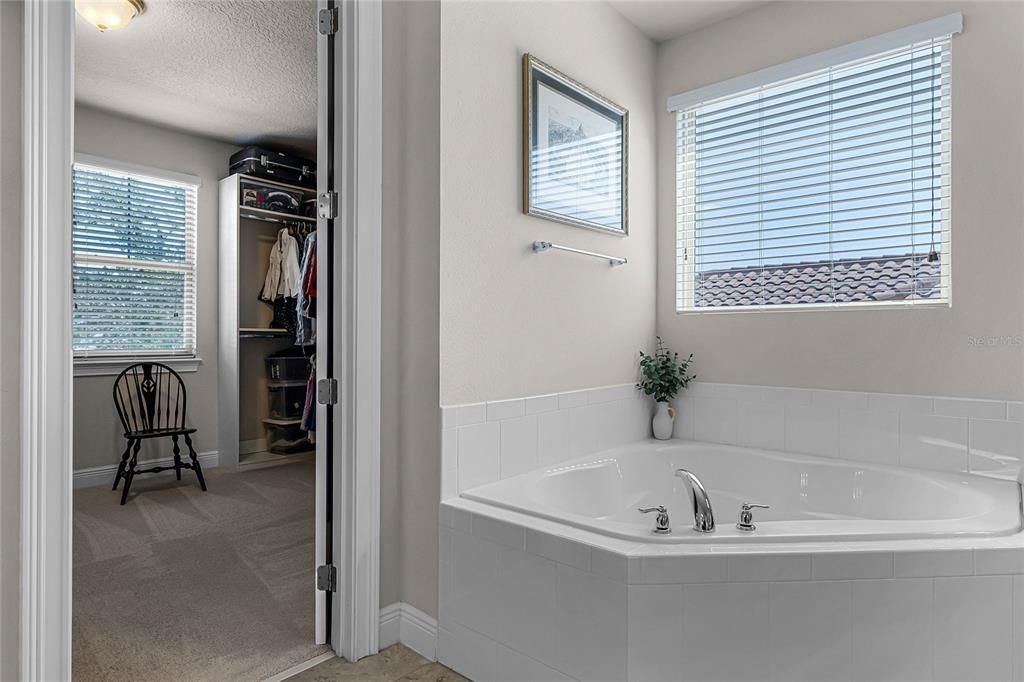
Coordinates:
column 48, row 90
column 357, row 306
column 46, row 460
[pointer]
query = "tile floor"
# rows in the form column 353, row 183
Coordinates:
column 394, row 664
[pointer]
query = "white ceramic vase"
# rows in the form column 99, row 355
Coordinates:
column 663, row 419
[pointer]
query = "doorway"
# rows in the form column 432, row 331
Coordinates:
column 350, row 599
column 191, row 187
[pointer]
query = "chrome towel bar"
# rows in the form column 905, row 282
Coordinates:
column 539, row 246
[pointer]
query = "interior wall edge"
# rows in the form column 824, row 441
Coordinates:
column 410, row 418
column 11, row 222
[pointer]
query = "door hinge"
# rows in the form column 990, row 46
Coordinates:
column 327, row 578
column 327, row 205
column 328, row 21
column 327, row 391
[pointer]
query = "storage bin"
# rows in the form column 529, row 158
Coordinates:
column 287, row 400
column 270, row 197
column 287, row 439
column 288, row 367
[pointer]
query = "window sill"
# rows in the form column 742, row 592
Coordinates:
column 819, row 307
column 102, row 367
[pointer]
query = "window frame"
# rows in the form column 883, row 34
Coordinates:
column 682, row 104
column 109, row 362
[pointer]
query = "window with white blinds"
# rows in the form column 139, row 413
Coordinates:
column 830, row 188
column 134, row 265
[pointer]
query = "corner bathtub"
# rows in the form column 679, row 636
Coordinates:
column 811, row 499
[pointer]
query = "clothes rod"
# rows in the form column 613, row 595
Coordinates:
column 539, row 246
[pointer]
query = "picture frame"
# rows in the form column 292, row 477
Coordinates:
column 575, row 152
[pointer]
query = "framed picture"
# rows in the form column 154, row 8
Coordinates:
column 574, row 152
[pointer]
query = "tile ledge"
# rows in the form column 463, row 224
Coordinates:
column 633, row 549
column 538, row 395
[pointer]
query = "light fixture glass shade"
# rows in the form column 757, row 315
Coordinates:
column 107, row 15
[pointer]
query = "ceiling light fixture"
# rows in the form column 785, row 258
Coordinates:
column 107, row 15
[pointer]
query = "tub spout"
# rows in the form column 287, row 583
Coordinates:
column 703, row 517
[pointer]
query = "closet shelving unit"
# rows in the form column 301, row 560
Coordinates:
column 247, row 235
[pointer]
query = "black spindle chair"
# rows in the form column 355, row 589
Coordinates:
column 150, row 400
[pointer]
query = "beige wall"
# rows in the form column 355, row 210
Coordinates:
column 903, row 351
column 453, row 231
column 10, row 331
column 97, row 430
column 514, row 323
column 410, row 418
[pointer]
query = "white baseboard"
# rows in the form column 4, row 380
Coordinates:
column 390, row 625
column 104, row 475
column 400, row 622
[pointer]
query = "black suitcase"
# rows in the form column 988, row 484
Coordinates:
column 261, row 162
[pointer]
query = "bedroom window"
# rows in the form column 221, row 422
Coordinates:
column 822, row 182
column 134, row 264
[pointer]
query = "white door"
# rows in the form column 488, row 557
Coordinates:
column 325, row 570
column 348, row 324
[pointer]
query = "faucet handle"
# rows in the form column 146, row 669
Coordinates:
column 661, row 523
column 746, row 521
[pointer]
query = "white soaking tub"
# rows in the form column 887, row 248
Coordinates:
column 857, row 571
column 811, row 499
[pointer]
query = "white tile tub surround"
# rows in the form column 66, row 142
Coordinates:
column 485, row 442
column 945, row 434
column 528, row 597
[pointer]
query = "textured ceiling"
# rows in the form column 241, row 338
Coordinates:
column 666, row 19
column 236, row 70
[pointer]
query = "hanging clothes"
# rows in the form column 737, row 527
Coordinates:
column 279, row 290
column 283, row 271
column 285, row 316
column 309, row 409
column 309, row 287
column 305, row 302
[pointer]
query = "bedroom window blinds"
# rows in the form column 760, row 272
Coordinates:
column 825, row 187
column 134, row 265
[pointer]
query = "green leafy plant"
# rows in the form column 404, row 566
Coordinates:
column 663, row 374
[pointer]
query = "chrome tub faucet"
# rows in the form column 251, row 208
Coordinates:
column 661, row 522
column 703, row 517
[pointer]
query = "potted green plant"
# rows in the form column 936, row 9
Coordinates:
column 662, row 376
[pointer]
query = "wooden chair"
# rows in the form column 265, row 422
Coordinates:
column 150, row 400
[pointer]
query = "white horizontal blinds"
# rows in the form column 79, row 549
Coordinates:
column 685, row 208
column 827, row 188
column 134, row 251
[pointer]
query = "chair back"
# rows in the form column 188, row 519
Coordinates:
column 150, row 396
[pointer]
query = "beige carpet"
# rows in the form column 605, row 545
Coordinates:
column 184, row 585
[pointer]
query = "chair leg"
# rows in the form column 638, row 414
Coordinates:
column 177, row 457
column 195, row 462
column 123, row 464
column 130, row 473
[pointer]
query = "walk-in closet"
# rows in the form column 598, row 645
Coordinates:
column 267, row 308
column 193, row 318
